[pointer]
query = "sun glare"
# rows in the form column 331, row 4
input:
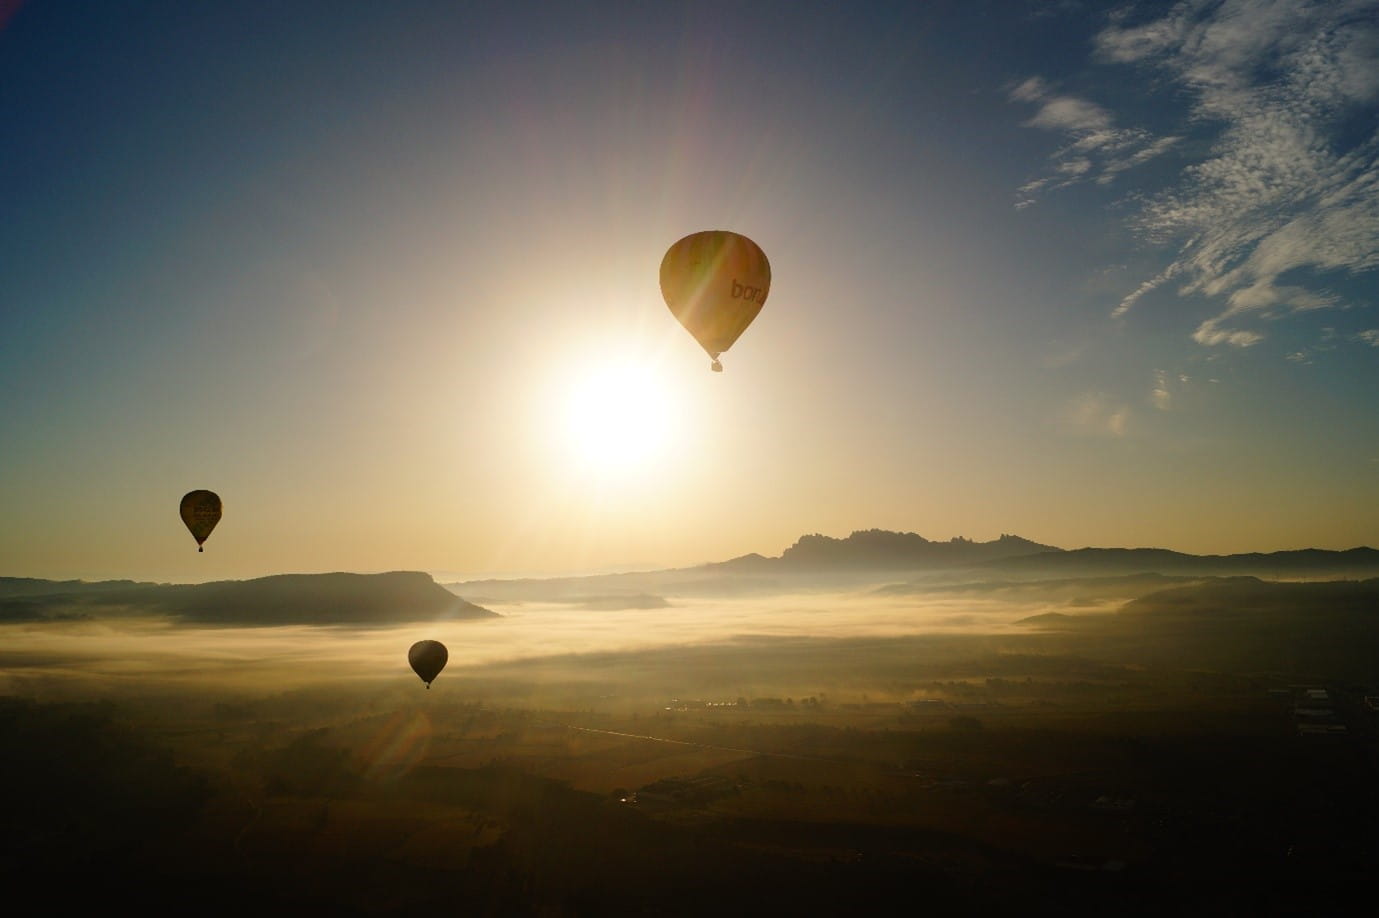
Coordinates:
column 617, row 419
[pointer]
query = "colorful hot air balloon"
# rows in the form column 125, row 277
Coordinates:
column 428, row 659
column 715, row 283
column 200, row 512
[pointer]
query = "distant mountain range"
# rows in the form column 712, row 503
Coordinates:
column 285, row 599
column 881, row 549
column 878, row 549
column 877, row 554
column 814, row 561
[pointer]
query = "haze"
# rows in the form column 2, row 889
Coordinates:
column 141, row 656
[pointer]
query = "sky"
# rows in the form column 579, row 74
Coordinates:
column 385, row 277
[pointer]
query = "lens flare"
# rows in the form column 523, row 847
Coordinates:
column 398, row 746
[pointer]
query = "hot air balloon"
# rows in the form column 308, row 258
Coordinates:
column 428, row 659
column 715, row 283
column 200, row 512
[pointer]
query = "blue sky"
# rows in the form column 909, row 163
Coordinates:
column 1092, row 273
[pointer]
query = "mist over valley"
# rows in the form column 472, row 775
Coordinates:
column 871, row 712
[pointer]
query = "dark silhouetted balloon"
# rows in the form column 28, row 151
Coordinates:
column 428, row 659
column 715, row 283
column 200, row 511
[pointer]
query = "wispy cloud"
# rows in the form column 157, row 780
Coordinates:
column 1154, row 282
column 1096, row 413
column 1097, row 149
column 1163, row 394
column 1290, row 183
column 1159, row 395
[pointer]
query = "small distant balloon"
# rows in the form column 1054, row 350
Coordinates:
column 428, row 659
column 715, row 282
column 200, row 512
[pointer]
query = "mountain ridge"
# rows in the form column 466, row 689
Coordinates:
column 278, row 599
column 813, row 559
column 818, row 560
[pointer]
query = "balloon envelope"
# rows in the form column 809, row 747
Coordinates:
column 428, row 659
column 715, row 283
column 200, row 512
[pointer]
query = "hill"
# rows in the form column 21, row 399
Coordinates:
column 283, row 599
column 1308, row 563
column 1238, row 624
column 33, row 586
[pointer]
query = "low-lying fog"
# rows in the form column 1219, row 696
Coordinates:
column 134, row 655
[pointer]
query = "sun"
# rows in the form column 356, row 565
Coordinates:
column 618, row 419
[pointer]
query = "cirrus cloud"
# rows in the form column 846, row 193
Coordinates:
column 1096, row 150
column 1282, row 94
